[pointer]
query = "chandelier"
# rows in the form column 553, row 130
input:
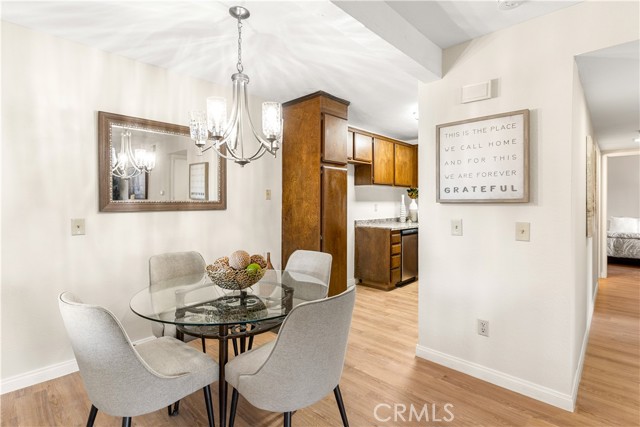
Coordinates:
column 224, row 135
column 129, row 162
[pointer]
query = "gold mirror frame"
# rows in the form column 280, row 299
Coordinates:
column 106, row 121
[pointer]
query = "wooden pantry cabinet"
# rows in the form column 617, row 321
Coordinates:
column 314, row 181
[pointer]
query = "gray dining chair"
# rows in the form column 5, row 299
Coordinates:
column 174, row 269
column 124, row 380
column 302, row 365
column 313, row 263
column 170, row 270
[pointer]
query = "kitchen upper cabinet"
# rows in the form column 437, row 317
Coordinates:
column 334, row 139
column 350, row 145
column 406, row 165
column 383, row 161
column 362, row 147
column 379, row 160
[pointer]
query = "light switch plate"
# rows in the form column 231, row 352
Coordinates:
column 268, row 194
column 523, row 231
column 77, row 226
column 456, row 227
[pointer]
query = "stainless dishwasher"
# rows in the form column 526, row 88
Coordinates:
column 409, row 256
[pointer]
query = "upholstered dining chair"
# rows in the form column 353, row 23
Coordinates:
column 173, row 269
column 313, row 263
column 124, row 380
column 302, row 365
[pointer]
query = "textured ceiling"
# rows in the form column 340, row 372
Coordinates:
column 611, row 81
column 448, row 23
column 290, row 48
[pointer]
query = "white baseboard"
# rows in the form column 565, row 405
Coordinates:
column 38, row 376
column 46, row 373
column 577, row 377
column 527, row 388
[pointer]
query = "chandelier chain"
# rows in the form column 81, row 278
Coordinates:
column 239, row 66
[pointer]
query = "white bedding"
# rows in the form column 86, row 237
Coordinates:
column 623, row 237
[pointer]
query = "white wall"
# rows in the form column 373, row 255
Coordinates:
column 624, row 186
column 584, row 249
column 51, row 92
column 532, row 293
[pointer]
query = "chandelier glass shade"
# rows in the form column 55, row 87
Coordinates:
column 225, row 134
column 129, row 162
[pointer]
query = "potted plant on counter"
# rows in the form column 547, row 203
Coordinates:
column 413, row 207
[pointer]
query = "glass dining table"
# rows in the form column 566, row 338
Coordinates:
column 198, row 307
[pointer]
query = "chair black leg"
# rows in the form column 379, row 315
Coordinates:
column 234, row 406
column 343, row 413
column 92, row 416
column 207, row 402
column 126, row 421
column 287, row 419
column 173, row 411
column 250, row 346
column 204, row 346
column 235, row 347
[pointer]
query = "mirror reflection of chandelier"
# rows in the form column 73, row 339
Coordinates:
column 129, row 162
column 226, row 136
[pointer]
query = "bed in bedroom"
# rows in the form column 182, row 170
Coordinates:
column 623, row 238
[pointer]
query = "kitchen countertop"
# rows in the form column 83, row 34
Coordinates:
column 392, row 224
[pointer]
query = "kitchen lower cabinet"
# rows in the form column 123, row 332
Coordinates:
column 378, row 257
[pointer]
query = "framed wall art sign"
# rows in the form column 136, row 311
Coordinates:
column 591, row 185
column 198, row 181
column 484, row 160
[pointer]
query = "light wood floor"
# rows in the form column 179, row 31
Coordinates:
column 381, row 367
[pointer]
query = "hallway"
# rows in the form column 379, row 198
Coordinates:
column 610, row 386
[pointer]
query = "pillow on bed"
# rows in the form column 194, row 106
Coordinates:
column 624, row 225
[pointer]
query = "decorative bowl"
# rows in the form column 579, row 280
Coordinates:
column 228, row 278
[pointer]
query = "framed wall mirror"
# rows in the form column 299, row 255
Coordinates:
column 146, row 165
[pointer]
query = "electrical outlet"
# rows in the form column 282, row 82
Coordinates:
column 456, row 227
column 483, row 327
